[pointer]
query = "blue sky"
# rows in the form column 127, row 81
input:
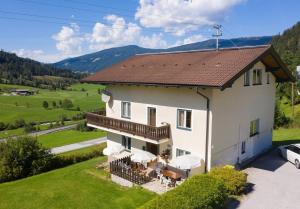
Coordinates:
column 49, row 31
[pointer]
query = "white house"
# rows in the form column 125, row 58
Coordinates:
column 217, row 105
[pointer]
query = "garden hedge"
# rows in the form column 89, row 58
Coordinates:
column 198, row 192
column 235, row 181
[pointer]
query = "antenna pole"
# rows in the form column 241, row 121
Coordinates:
column 217, row 34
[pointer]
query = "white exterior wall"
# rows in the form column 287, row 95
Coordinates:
column 232, row 111
column 166, row 101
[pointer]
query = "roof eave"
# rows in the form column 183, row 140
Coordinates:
column 151, row 84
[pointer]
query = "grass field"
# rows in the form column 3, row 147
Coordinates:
column 30, row 108
column 287, row 109
column 84, row 151
column 20, row 131
column 286, row 136
column 61, row 138
column 77, row 186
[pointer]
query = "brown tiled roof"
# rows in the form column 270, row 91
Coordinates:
column 194, row 68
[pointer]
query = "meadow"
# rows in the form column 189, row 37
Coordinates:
column 30, row 108
column 77, row 186
column 65, row 137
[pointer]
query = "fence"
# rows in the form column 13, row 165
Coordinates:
column 118, row 168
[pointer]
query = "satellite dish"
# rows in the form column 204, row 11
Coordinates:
column 106, row 96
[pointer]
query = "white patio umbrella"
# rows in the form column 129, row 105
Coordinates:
column 142, row 156
column 186, row 162
column 113, row 149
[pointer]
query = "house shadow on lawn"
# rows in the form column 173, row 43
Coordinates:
column 234, row 202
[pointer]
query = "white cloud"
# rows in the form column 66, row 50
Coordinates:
column 39, row 55
column 116, row 33
column 191, row 39
column 154, row 41
column 181, row 16
column 119, row 33
column 69, row 40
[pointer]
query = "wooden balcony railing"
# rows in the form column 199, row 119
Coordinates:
column 147, row 131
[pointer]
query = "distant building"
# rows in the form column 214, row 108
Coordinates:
column 22, row 92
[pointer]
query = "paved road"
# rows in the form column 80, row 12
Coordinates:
column 275, row 184
column 80, row 145
column 39, row 133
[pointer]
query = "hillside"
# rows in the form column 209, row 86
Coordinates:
column 105, row 58
column 288, row 46
column 17, row 70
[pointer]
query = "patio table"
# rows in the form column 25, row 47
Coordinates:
column 172, row 174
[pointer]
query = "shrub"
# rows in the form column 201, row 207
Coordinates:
column 235, row 181
column 22, row 157
column 45, row 104
column 29, row 128
column 3, row 126
column 19, row 123
column 82, row 126
column 199, row 192
column 79, row 116
column 67, row 104
column 53, row 104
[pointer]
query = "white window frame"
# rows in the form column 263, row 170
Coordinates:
column 247, row 76
column 185, row 119
column 183, row 152
column 243, row 147
column 126, row 142
column 126, row 113
column 257, row 77
column 254, row 127
column 268, row 78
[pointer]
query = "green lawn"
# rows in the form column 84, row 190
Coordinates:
column 287, row 109
column 61, row 138
column 30, row 108
column 20, row 131
column 84, row 151
column 286, row 136
column 80, row 186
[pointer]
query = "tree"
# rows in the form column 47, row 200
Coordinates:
column 67, row 104
column 22, row 157
column 54, row 104
column 45, row 104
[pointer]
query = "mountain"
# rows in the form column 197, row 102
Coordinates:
column 17, row 70
column 288, row 46
column 99, row 60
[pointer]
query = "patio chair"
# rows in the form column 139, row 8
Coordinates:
column 163, row 179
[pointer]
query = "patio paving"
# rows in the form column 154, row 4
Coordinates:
column 156, row 186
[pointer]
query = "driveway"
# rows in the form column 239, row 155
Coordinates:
column 275, row 184
column 80, row 145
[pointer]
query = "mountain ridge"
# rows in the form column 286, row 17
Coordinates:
column 102, row 59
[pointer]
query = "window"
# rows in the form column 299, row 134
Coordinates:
column 256, row 77
column 184, row 119
column 125, row 109
column 294, row 149
column 247, row 78
column 180, row 152
column 126, row 142
column 268, row 78
column 254, row 127
column 243, row 150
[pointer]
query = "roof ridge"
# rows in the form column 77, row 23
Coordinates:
column 206, row 50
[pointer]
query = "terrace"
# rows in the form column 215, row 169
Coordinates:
column 153, row 133
column 152, row 175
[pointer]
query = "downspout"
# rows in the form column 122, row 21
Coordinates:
column 207, row 129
